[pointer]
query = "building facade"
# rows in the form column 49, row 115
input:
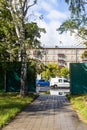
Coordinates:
column 62, row 56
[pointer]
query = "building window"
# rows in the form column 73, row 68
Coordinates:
column 66, row 57
column 59, row 51
column 53, row 51
column 53, row 57
column 78, row 58
column 72, row 51
column 72, row 58
column 46, row 58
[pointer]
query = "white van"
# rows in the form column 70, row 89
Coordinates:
column 59, row 82
column 59, row 86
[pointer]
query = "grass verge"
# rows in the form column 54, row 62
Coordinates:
column 11, row 104
column 79, row 103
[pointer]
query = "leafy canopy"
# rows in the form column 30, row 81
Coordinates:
column 53, row 70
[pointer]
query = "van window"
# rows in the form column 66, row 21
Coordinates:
column 65, row 80
column 60, row 93
column 60, row 80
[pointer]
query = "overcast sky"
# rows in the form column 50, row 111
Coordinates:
column 54, row 13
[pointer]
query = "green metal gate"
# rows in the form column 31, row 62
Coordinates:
column 13, row 76
column 78, row 78
column 1, row 77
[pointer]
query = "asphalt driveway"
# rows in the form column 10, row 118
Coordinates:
column 47, row 113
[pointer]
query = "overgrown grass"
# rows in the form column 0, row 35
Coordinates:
column 11, row 104
column 80, row 105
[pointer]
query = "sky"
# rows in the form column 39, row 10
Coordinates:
column 50, row 14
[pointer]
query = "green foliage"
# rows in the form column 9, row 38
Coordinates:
column 32, row 33
column 51, row 70
column 9, row 45
column 75, row 26
column 84, row 55
column 76, row 7
column 68, row 25
column 64, row 72
column 7, row 32
column 40, row 67
column 46, row 74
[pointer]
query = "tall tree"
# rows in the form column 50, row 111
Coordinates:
column 18, row 10
column 10, row 45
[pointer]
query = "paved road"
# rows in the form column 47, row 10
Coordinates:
column 47, row 113
column 43, row 89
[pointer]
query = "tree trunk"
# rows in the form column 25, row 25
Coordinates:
column 20, row 31
column 23, row 90
column 18, row 18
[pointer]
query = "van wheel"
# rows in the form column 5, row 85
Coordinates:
column 52, row 87
column 55, row 86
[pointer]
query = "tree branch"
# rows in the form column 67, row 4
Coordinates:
column 24, row 4
column 25, row 11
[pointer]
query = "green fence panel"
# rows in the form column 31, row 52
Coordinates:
column 1, row 77
column 13, row 74
column 13, row 77
column 78, row 78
